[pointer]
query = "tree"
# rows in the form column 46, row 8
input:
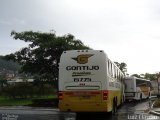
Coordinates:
column 3, row 81
column 8, row 65
column 42, row 55
column 148, row 76
column 136, row 75
column 139, row 75
column 152, row 77
column 122, row 66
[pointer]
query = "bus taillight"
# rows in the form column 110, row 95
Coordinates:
column 105, row 95
column 60, row 95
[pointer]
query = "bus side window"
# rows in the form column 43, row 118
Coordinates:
column 119, row 76
column 108, row 67
column 149, row 85
column 111, row 69
column 115, row 72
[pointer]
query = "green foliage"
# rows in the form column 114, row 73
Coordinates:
column 13, row 102
column 25, row 90
column 122, row 66
column 42, row 56
column 49, row 101
column 136, row 75
column 3, row 82
column 148, row 76
column 152, row 77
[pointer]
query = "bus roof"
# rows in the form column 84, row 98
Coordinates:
column 135, row 78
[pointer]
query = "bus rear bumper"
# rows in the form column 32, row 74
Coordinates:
column 84, row 107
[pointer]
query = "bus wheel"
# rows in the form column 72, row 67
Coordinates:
column 124, row 99
column 140, row 96
column 114, row 107
column 149, row 95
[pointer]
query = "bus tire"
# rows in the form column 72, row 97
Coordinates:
column 114, row 107
column 149, row 95
column 123, row 99
column 141, row 97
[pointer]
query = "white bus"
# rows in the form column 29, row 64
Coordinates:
column 155, row 87
column 89, row 82
column 137, row 88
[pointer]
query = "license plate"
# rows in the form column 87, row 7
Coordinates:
column 81, row 93
column 85, row 97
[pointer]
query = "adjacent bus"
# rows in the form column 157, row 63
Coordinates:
column 89, row 82
column 155, row 88
column 137, row 88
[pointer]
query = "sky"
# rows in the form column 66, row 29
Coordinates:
column 127, row 30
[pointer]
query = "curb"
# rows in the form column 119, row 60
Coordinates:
column 152, row 110
column 29, row 108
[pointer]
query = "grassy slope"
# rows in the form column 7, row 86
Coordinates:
column 13, row 102
column 19, row 102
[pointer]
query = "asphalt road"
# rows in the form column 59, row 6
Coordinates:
column 129, row 111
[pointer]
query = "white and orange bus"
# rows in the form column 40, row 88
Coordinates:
column 89, row 82
column 137, row 88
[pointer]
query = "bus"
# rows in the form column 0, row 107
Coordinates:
column 155, row 87
column 89, row 82
column 137, row 88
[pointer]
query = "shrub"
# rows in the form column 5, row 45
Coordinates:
column 25, row 90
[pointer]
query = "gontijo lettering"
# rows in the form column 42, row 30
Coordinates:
column 82, row 68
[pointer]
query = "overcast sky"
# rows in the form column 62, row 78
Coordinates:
column 127, row 30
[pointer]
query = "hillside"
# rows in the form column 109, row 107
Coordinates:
column 8, row 65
